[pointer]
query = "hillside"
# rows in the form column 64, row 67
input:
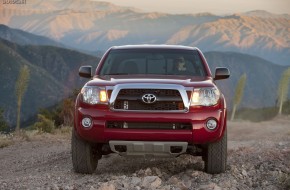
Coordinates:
column 54, row 74
column 24, row 38
column 262, row 77
column 94, row 25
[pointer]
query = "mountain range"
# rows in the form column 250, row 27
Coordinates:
column 54, row 74
column 94, row 25
column 23, row 38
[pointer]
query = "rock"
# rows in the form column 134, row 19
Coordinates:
column 167, row 187
column 282, row 143
column 141, row 172
column 244, row 173
column 195, row 174
column 182, row 186
column 173, row 180
column 165, row 175
column 157, row 171
column 156, row 183
column 249, row 182
column 187, row 183
column 148, row 172
column 92, row 188
column 210, row 186
column 137, row 188
column 135, row 181
column 151, row 181
column 125, row 184
column 255, row 185
column 264, row 183
column 107, row 186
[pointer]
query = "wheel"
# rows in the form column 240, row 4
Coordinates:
column 216, row 156
column 84, row 155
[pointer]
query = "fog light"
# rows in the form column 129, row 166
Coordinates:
column 211, row 124
column 87, row 122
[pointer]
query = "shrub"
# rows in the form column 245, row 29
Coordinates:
column 258, row 114
column 44, row 124
column 5, row 141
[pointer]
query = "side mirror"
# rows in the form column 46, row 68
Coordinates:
column 85, row 71
column 221, row 73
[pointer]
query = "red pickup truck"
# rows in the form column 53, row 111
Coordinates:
column 150, row 100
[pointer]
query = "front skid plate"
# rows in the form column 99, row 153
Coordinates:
column 148, row 148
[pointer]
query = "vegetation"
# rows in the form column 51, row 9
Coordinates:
column 3, row 125
column 20, row 88
column 262, row 114
column 44, row 124
column 283, row 89
column 57, row 117
column 238, row 94
column 61, row 114
column 5, row 141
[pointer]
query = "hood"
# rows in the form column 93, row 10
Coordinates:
column 186, row 81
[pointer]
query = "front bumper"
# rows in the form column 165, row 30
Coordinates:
column 199, row 134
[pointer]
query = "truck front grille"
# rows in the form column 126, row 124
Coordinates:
column 131, row 99
column 148, row 125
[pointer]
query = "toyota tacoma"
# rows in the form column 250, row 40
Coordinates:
column 150, row 101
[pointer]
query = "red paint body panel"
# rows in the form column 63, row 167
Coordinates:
column 198, row 135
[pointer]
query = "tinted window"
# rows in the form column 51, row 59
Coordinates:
column 153, row 61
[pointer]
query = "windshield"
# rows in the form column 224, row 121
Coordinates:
column 153, row 61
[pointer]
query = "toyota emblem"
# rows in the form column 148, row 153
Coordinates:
column 149, row 98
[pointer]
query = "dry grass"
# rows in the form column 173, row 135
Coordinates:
column 62, row 133
column 5, row 140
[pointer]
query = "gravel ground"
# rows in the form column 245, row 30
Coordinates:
column 258, row 158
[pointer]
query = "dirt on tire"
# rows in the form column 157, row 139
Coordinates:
column 258, row 158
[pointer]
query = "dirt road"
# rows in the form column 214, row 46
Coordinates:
column 259, row 158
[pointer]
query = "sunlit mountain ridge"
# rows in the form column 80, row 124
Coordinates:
column 95, row 25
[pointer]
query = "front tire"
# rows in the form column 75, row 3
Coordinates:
column 216, row 156
column 84, row 155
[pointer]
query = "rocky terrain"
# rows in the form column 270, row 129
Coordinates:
column 258, row 158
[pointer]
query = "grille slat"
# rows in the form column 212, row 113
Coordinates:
column 131, row 99
column 140, row 92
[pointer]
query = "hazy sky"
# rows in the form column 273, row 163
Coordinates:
column 212, row 6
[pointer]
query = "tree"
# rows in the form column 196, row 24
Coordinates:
column 283, row 89
column 238, row 94
column 3, row 125
column 20, row 88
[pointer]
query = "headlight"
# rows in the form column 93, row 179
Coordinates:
column 94, row 95
column 205, row 97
